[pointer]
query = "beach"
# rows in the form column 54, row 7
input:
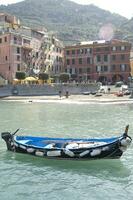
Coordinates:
column 100, row 98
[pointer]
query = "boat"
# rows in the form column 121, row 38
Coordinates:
column 68, row 148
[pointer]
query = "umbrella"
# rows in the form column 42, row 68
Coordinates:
column 30, row 78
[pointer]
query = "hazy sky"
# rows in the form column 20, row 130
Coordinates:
column 122, row 7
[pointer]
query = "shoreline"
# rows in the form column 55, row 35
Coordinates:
column 105, row 98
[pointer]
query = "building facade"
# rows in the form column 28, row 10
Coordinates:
column 104, row 61
column 27, row 50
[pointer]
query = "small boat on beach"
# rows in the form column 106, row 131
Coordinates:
column 68, row 148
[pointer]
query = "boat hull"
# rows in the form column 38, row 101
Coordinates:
column 83, row 150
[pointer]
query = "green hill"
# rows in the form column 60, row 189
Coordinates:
column 69, row 21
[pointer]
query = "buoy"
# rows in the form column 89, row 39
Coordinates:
column 54, row 153
column 69, row 153
column 105, row 148
column 95, row 152
column 30, row 150
column 84, row 153
column 39, row 153
column 22, row 147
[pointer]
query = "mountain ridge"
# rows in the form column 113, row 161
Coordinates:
column 68, row 20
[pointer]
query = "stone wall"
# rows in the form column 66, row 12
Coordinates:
column 38, row 90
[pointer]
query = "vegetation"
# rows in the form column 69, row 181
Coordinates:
column 71, row 22
column 43, row 76
column 64, row 77
column 20, row 75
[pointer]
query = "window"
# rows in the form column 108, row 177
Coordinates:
column 122, row 67
column 25, row 41
column 80, row 70
column 15, row 40
column 81, row 51
column 113, row 57
column 6, row 58
column 105, row 58
column 57, row 58
column 0, row 40
column 78, row 51
column 89, row 50
column 98, row 49
column 88, row 70
column 37, row 54
column 105, row 68
column 18, row 50
column 122, row 56
column 114, row 48
column 98, row 58
column 18, row 67
column 80, row 60
column 123, row 48
column 18, row 58
column 98, row 69
column 57, row 68
column 88, row 60
column 73, row 52
column 106, row 48
column 68, row 62
column 5, row 39
column 70, row 71
column 67, row 52
column 73, row 61
column 113, row 67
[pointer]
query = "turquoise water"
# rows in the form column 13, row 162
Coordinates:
column 30, row 178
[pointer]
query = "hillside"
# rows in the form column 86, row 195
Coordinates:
column 69, row 21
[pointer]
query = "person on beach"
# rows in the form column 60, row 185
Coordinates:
column 109, row 90
column 60, row 94
column 67, row 94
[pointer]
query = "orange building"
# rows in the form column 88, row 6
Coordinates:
column 105, row 61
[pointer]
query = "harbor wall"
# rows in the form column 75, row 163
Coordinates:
column 53, row 89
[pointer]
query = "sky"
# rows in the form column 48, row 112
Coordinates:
column 122, row 7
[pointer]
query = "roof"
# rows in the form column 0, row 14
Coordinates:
column 93, row 42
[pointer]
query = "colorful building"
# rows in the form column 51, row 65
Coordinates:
column 105, row 61
column 27, row 50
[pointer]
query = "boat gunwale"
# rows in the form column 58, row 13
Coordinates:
column 116, row 140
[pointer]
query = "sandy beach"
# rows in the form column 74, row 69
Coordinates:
column 104, row 98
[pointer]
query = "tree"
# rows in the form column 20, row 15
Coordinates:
column 43, row 77
column 64, row 77
column 20, row 75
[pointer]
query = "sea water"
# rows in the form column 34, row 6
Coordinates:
column 25, row 177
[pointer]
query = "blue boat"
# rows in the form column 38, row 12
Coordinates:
column 68, row 148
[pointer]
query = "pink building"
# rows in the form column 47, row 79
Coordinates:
column 11, row 48
column 28, row 50
column 11, row 44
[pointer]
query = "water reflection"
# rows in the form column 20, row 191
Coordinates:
column 108, row 168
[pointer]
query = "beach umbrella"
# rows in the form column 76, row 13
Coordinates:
column 30, row 78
